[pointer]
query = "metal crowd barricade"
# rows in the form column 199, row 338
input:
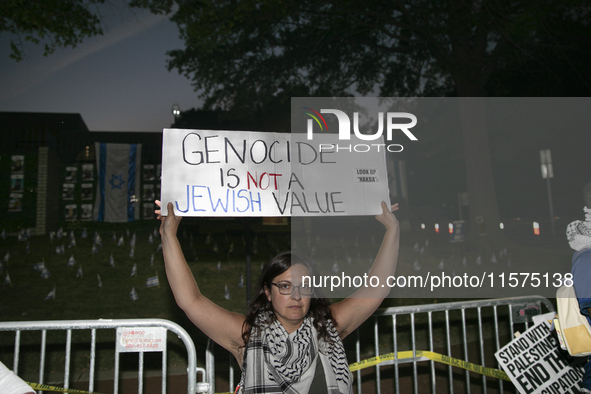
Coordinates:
column 468, row 330
column 471, row 331
column 93, row 325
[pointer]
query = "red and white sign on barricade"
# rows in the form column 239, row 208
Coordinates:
column 141, row 339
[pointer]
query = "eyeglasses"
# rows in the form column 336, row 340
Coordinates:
column 287, row 288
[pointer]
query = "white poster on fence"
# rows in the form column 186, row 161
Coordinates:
column 535, row 364
column 239, row 173
column 141, row 339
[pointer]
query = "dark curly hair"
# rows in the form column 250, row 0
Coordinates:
column 319, row 310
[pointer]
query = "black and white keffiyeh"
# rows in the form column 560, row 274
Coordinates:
column 275, row 361
column 578, row 233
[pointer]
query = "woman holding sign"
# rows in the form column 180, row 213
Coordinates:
column 290, row 341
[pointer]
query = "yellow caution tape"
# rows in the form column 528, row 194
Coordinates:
column 491, row 372
column 370, row 362
column 46, row 387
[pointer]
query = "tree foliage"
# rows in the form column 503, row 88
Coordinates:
column 237, row 51
column 53, row 23
column 244, row 53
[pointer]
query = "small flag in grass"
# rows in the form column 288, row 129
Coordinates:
column 227, row 293
column 151, row 239
column 153, row 281
column 152, row 259
column 79, row 273
column 120, row 242
column 133, row 270
column 3, row 234
column 71, row 261
column 60, row 249
column 39, row 267
column 7, row 280
column 132, row 252
column 133, row 294
column 45, row 274
column 111, row 261
column 159, row 248
column 7, row 257
column 84, row 233
column 335, row 268
column 100, row 282
column 95, row 249
column 50, row 295
column 241, row 282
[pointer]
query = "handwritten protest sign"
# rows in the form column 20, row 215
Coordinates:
column 535, row 365
column 238, row 173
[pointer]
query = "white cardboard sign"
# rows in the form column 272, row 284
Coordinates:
column 535, row 365
column 141, row 339
column 239, row 173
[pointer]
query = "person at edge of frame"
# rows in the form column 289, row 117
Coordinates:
column 290, row 341
column 10, row 383
column 578, row 234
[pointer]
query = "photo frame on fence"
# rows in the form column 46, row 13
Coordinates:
column 15, row 203
column 17, row 164
column 70, row 212
column 86, row 212
column 87, row 172
column 17, row 183
column 149, row 174
column 71, row 174
column 86, row 191
column 68, row 191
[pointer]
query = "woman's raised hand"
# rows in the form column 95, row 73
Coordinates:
column 387, row 217
column 168, row 224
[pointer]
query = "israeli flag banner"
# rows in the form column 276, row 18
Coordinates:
column 118, row 186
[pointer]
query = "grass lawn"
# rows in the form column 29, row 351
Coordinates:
column 217, row 243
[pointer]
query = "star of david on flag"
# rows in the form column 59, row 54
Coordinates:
column 118, row 184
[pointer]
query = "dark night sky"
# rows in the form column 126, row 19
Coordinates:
column 117, row 82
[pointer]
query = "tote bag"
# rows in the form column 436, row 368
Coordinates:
column 573, row 326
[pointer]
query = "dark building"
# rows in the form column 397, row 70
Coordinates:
column 45, row 160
